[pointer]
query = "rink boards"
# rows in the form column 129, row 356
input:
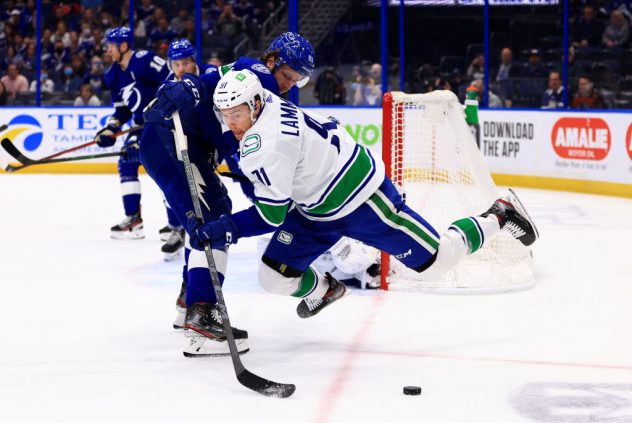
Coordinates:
column 564, row 150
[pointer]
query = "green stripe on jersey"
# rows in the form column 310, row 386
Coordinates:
column 472, row 233
column 306, row 284
column 274, row 214
column 356, row 173
column 402, row 221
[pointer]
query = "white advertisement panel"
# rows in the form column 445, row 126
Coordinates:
column 585, row 146
column 595, row 147
column 42, row 131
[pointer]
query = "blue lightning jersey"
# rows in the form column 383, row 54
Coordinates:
column 133, row 88
column 201, row 123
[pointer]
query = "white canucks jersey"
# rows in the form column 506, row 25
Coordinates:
column 292, row 155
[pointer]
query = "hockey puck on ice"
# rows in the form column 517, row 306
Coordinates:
column 412, row 390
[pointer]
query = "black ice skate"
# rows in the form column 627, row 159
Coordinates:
column 206, row 333
column 308, row 308
column 130, row 228
column 513, row 218
column 164, row 232
column 173, row 247
column 181, row 307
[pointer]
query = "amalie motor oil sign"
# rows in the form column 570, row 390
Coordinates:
column 581, row 138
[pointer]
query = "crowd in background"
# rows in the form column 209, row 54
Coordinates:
column 523, row 72
column 72, row 59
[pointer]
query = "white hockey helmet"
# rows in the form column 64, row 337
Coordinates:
column 238, row 87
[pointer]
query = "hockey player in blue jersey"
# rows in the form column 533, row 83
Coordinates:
column 133, row 79
column 314, row 184
column 193, row 97
column 181, row 59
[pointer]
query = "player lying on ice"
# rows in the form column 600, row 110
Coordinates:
column 289, row 61
column 313, row 184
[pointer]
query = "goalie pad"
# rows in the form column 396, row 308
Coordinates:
column 351, row 256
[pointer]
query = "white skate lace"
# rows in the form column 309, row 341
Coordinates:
column 175, row 237
column 216, row 315
column 514, row 230
column 312, row 304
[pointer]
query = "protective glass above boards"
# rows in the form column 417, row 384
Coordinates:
column 466, row 2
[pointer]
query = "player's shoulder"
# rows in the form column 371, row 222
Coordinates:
column 251, row 64
column 208, row 69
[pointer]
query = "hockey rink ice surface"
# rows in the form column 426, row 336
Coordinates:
column 86, row 326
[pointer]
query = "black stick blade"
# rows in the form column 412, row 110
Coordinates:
column 264, row 386
column 14, row 152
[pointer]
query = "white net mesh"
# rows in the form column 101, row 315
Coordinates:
column 434, row 157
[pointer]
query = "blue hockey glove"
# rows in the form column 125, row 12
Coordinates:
column 180, row 95
column 130, row 153
column 104, row 137
column 219, row 233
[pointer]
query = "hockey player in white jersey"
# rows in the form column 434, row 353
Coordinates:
column 313, row 184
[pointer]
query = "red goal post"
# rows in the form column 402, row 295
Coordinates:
column 430, row 153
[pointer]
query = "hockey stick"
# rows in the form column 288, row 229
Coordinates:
column 249, row 380
column 19, row 156
column 13, row 151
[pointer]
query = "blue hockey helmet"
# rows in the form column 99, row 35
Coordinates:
column 180, row 49
column 296, row 52
column 119, row 35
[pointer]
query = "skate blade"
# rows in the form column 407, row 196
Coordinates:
column 518, row 204
column 172, row 256
column 201, row 346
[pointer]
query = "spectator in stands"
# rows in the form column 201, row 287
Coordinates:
column 375, row 72
column 244, row 10
column 56, row 60
column 616, row 34
column 329, row 88
column 86, row 42
column 364, row 91
column 553, row 97
column 69, row 82
column 217, row 9
column 534, row 67
column 588, row 31
column 177, row 23
column 95, row 78
column 87, row 97
column 507, row 68
column 14, row 82
column 162, row 34
column 587, row 97
column 492, row 99
column 574, row 70
column 146, row 11
column 476, row 70
column 46, row 84
column 228, row 24
column 189, row 30
column 9, row 58
column 61, row 34
column 27, row 60
column 623, row 6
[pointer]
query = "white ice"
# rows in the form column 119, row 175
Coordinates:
column 85, row 326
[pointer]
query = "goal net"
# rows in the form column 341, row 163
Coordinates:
column 430, row 152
